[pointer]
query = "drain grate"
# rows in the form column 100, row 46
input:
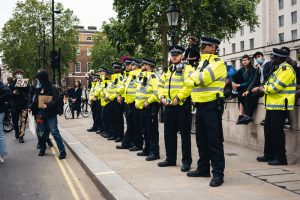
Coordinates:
column 281, row 178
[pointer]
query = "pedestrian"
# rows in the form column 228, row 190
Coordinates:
column 75, row 96
column 46, row 94
column 5, row 95
column 279, row 92
column 208, row 82
column 19, row 100
column 177, row 114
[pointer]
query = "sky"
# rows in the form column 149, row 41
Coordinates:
column 90, row 12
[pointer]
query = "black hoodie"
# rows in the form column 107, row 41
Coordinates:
column 49, row 90
column 5, row 95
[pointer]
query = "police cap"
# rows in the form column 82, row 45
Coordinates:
column 128, row 61
column 279, row 53
column 148, row 61
column 116, row 65
column 210, row 41
column 176, row 50
column 136, row 62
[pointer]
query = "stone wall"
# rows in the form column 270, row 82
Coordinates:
column 252, row 135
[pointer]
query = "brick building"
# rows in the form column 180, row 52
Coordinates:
column 78, row 70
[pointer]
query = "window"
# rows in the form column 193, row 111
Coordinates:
column 233, row 48
column 78, row 51
column 294, row 2
column 281, row 37
column 294, row 35
column 294, row 17
column 89, row 66
column 78, row 67
column 89, row 38
column 233, row 62
column 242, row 30
column 281, row 21
column 252, row 43
column 88, row 52
column 242, row 46
column 224, row 51
column 280, row 4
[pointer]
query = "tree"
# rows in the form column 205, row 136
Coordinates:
column 22, row 36
column 103, row 54
column 145, row 23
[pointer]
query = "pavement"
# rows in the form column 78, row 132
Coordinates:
column 120, row 174
column 26, row 176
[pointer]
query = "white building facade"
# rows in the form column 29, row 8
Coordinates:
column 279, row 25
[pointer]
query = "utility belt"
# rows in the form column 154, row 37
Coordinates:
column 220, row 101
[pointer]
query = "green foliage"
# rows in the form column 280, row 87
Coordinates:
column 103, row 54
column 141, row 26
column 22, row 35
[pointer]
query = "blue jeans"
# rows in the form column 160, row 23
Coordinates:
column 51, row 123
column 3, row 149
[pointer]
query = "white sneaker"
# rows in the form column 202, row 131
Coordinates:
column 2, row 159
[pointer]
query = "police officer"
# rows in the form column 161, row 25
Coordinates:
column 279, row 92
column 208, row 82
column 118, row 120
column 147, row 101
column 177, row 117
column 94, row 102
column 133, row 137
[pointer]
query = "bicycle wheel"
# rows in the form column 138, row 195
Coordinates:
column 68, row 112
column 86, row 109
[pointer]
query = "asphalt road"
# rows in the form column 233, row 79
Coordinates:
column 26, row 176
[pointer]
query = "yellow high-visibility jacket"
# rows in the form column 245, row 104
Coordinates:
column 131, row 85
column 280, row 89
column 171, row 83
column 209, row 83
column 147, row 90
column 92, row 91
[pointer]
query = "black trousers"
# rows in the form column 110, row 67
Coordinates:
column 274, row 135
column 178, row 118
column 118, row 120
column 137, row 128
column 251, row 102
column 94, row 107
column 129, row 134
column 107, row 118
column 98, row 123
column 149, row 122
column 209, row 138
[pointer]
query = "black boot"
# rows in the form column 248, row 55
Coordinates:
column 21, row 140
column 62, row 155
column 42, row 152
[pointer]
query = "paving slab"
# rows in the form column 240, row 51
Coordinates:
column 170, row 183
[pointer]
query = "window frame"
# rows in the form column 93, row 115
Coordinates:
column 76, row 67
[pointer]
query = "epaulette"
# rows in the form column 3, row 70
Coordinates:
column 153, row 76
column 217, row 59
column 283, row 68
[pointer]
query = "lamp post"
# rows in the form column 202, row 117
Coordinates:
column 53, row 52
column 44, row 42
column 172, row 14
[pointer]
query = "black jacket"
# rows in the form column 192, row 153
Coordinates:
column 52, row 107
column 5, row 95
column 267, row 71
column 20, row 99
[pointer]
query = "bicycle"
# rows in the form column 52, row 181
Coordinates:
column 86, row 109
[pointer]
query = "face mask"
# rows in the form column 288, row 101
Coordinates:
column 38, row 84
column 259, row 60
column 19, row 76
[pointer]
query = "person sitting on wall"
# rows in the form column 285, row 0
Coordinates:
column 240, row 82
column 263, row 71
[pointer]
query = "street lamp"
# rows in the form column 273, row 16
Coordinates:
column 54, row 52
column 172, row 14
